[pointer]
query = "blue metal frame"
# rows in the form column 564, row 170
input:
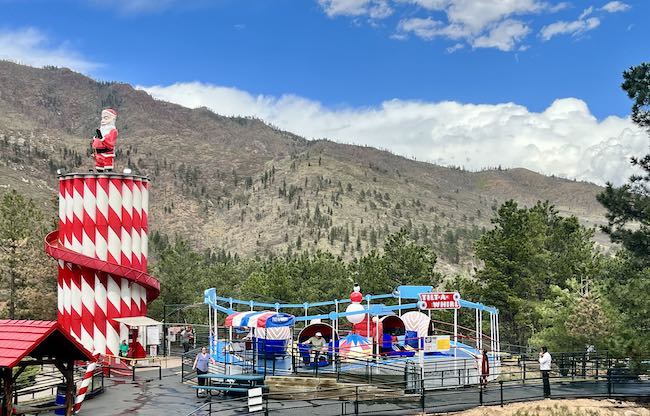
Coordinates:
column 403, row 292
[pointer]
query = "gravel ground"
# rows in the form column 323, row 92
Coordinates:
column 577, row 407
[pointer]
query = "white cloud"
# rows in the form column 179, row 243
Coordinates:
column 30, row 46
column 586, row 12
column 479, row 15
column 565, row 139
column 426, row 29
column 557, row 7
column 499, row 24
column 616, row 6
column 380, row 10
column 375, row 9
column 504, row 36
column 455, row 47
column 479, row 23
column 574, row 28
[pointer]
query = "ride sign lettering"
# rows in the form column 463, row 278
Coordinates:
column 439, row 300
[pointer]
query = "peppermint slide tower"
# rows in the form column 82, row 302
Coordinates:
column 101, row 249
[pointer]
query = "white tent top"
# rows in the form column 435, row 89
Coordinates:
column 138, row 321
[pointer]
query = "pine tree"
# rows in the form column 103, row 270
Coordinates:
column 629, row 203
column 23, row 263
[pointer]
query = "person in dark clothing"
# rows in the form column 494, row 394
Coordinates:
column 485, row 367
column 185, row 340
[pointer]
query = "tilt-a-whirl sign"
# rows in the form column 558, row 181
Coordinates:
column 439, row 300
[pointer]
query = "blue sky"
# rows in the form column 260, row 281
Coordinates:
column 355, row 61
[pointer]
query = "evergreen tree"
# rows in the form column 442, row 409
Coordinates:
column 630, row 204
column 527, row 252
column 26, row 271
column 407, row 262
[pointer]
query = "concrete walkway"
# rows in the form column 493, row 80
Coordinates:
column 146, row 396
column 150, row 396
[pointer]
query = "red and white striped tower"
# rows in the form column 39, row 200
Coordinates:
column 101, row 248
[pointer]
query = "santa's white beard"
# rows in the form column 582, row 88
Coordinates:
column 106, row 128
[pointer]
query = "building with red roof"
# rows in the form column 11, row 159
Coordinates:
column 24, row 343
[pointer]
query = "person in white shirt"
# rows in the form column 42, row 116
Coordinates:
column 318, row 345
column 545, row 369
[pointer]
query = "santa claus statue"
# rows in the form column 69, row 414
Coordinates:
column 104, row 141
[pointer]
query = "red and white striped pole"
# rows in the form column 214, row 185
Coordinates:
column 85, row 382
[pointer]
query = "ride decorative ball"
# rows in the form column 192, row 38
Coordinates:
column 355, row 307
column 356, row 297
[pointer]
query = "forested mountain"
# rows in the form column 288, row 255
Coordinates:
column 241, row 186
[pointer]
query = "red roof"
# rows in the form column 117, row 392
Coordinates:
column 37, row 339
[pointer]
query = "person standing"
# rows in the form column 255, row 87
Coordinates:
column 201, row 362
column 124, row 348
column 485, row 367
column 545, row 369
column 190, row 337
column 185, row 340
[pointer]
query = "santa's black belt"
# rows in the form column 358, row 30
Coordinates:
column 103, row 150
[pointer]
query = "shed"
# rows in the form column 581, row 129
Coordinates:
column 44, row 342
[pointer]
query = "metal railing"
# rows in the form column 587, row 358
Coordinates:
column 368, row 368
column 358, row 400
column 44, row 384
column 376, row 368
column 131, row 365
column 578, row 375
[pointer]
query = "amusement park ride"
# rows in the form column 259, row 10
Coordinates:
column 362, row 328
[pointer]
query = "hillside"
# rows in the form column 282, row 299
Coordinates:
column 239, row 185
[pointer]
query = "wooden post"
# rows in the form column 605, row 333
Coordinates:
column 70, row 388
column 67, row 369
column 7, row 381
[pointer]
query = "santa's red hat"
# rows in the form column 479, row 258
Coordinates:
column 109, row 111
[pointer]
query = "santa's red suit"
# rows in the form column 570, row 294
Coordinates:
column 105, row 146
